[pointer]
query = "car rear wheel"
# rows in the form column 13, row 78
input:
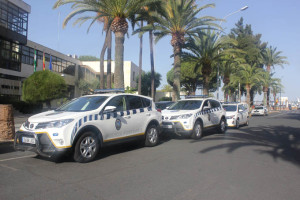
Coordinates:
column 197, row 130
column 151, row 136
column 86, row 148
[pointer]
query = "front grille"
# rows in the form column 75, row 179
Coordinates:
column 167, row 123
column 45, row 143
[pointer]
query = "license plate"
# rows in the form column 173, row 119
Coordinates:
column 28, row 140
column 167, row 126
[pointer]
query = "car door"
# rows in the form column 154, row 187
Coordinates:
column 206, row 114
column 138, row 117
column 114, row 122
column 215, row 112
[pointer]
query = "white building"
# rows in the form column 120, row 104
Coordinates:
column 131, row 71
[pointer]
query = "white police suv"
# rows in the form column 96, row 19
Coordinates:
column 236, row 114
column 89, row 122
column 190, row 116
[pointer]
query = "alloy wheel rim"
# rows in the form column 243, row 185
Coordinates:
column 198, row 130
column 88, row 147
column 223, row 125
column 152, row 136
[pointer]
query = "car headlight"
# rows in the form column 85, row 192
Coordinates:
column 230, row 117
column 54, row 124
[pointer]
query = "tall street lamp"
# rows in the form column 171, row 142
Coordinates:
column 241, row 9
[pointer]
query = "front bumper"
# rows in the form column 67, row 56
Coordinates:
column 175, row 127
column 231, row 122
column 38, row 143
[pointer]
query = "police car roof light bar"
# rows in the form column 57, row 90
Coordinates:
column 196, row 96
column 113, row 90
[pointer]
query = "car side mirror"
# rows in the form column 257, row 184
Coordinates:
column 205, row 108
column 108, row 109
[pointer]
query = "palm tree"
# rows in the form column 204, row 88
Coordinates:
column 249, row 76
column 179, row 20
column 265, row 81
column 276, row 87
column 271, row 57
column 118, row 12
column 149, row 14
column 84, row 6
column 207, row 51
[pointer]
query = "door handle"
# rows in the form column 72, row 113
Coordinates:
column 127, row 117
column 148, row 114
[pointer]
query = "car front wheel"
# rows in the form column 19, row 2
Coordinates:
column 151, row 136
column 222, row 126
column 197, row 131
column 86, row 148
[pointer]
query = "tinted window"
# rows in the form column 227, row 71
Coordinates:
column 146, row 102
column 83, row 104
column 119, row 102
column 259, row 108
column 230, row 108
column 134, row 102
column 214, row 103
column 186, row 105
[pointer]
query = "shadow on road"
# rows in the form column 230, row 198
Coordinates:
column 282, row 141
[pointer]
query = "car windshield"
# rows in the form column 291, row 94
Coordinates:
column 83, row 104
column 259, row 108
column 163, row 105
column 186, row 105
column 230, row 108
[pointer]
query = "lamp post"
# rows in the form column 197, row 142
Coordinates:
column 241, row 9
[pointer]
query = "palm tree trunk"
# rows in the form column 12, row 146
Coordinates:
column 119, row 60
column 205, row 84
column 248, row 94
column 152, row 66
column 176, row 84
column 268, row 93
column 102, row 61
column 108, row 73
column 140, row 63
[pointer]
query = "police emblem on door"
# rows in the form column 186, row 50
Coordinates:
column 118, row 124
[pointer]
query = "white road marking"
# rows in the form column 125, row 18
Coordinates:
column 14, row 169
column 17, row 158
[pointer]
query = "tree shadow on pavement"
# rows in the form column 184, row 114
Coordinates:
column 281, row 141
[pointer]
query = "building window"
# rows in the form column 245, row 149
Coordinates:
column 133, row 76
column 27, row 55
column 13, row 18
column 10, row 55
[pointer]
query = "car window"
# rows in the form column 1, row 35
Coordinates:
column 119, row 102
column 259, row 108
column 134, row 102
column 82, row 104
column 206, row 103
column 214, row 103
column 230, row 108
column 186, row 105
column 146, row 102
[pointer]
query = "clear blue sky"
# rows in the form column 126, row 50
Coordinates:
column 276, row 20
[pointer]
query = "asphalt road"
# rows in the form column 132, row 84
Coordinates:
column 261, row 161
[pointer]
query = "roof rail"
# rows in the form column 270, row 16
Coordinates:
column 113, row 90
column 196, row 96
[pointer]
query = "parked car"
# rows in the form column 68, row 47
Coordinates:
column 163, row 104
column 236, row 114
column 191, row 116
column 89, row 122
column 259, row 110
